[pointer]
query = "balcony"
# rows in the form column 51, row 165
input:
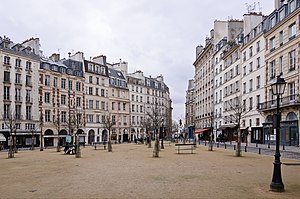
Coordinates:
column 292, row 100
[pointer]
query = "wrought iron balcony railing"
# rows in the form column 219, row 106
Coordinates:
column 291, row 100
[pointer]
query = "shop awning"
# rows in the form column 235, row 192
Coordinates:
column 225, row 126
column 199, row 131
column 2, row 138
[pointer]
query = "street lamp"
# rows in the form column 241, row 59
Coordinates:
column 277, row 184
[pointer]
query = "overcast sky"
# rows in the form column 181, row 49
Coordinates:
column 155, row 36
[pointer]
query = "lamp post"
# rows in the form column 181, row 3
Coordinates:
column 277, row 89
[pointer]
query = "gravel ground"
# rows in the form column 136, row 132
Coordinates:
column 130, row 171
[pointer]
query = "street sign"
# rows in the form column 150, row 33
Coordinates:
column 68, row 139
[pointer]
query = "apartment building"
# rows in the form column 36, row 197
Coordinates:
column 61, row 100
column 119, row 104
column 253, row 77
column 19, row 113
column 97, row 86
column 189, row 108
column 158, row 105
column 136, row 84
column 282, row 59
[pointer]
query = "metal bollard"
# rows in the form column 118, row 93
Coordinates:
column 245, row 148
column 233, row 147
column 225, row 146
column 230, row 142
column 269, row 145
column 218, row 145
column 256, row 144
column 205, row 143
column 283, row 147
column 259, row 152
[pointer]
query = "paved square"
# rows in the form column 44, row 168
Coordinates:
column 130, row 171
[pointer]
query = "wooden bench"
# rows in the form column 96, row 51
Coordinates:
column 100, row 143
column 190, row 147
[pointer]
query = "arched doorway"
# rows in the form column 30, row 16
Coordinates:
column 133, row 136
column 104, row 136
column 62, row 137
column 81, row 136
column 289, row 130
column 125, row 136
column 48, row 138
column 91, row 136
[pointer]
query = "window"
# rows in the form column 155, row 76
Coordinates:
column 258, row 62
column 18, row 112
column 78, row 86
column 237, row 70
column 273, row 21
column 90, row 90
column 97, row 81
column 257, row 100
column 28, row 80
column 6, row 60
column 250, row 51
column 292, row 91
column 63, row 117
column 63, row 83
column 70, row 85
column 102, row 92
column 78, row 102
column 63, row 99
column 272, row 69
column 280, row 38
column 55, row 82
column 250, row 103
column 91, row 103
column 97, row 105
column 250, row 85
column 244, row 87
column 250, row 66
column 28, row 113
column 28, row 96
column 6, row 111
column 6, row 93
column 292, row 5
column 244, row 56
column 272, row 44
column 292, row 31
column 28, row 65
column 257, row 123
column 90, row 79
column 18, row 78
column 124, row 106
column 258, row 81
column 292, row 60
column 244, row 70
column 103, row 105
column 47, row 80
column 6, row 77
column 280, row 64
column 132, row 108
column 113, row 106
column 47, row 115
column 47, row 97
column 18, row 63
column 257, row 46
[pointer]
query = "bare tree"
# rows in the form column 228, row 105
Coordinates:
column 157, row 118
column 57, row 124
column 10, row 121
column 237, row 110
column 109, row 123
column 147, row 124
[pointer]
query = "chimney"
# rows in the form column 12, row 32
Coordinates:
column 55, row 57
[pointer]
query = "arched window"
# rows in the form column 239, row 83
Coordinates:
column 291, row 116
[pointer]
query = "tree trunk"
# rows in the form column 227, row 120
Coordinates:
column 238, row 151
column 78, row 152
column 156, row 147
column 15, row 142
column 109, row 146
column 10, row 151
column 210, row 144
column 58, row 147
column 149, row 141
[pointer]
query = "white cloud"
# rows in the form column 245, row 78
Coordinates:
column 158, row 37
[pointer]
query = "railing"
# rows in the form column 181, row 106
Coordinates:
column 291, row 100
